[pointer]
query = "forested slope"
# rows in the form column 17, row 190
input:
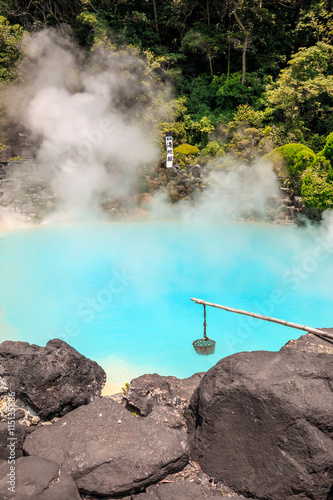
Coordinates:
column 248, row 75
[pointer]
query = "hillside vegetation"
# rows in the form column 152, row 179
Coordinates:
column 250, row 77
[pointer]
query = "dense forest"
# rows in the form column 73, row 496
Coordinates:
column 251, row 77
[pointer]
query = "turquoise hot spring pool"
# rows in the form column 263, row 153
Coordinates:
column 120, row 292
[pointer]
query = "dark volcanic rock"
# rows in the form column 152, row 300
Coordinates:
column 165, row 415
column 6, row 435
column 172, row 172
column 311, row 343
column 262, row 422
column 108, row 451
column 37, row 479
column 51, row 380
column 175, row 491
column 196, row 171
column 147, row 391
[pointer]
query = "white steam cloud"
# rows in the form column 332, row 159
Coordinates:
column 91, row 118
column 88, row 115
column 232, row 191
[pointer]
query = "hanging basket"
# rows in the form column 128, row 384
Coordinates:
column 204, row 346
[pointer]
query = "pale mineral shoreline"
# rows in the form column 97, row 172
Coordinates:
column 111, row 388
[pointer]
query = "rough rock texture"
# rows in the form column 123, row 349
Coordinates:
column 175, row 491
column 165, row 415
column 148, row 391
column 191, row 474
column 311, row 343
column 18, row 432
column 263, row 423
column 22, row 416
column 51, row 380
column 191, row 483
column 109, row 451
column 5, row 153
column 37, row 479
column 23, row 189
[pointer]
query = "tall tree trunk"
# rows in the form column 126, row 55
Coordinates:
column 208, row 13
column 155, row 16
column 245, row 46
column 246, row 42
column 210, row 59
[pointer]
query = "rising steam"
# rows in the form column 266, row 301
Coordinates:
column 89, row 116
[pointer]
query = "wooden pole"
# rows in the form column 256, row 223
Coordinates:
column 308, row 329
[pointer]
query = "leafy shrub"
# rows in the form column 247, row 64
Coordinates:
column 328, row 149
column 185, row 154
column 212, row 149
column 186, row 149
column 291, row 160
column 295, row 157
column 10, row 40
column 231, row 91
column 317, row 188
column 198, row 132
column 246, row 117
column 321, row 162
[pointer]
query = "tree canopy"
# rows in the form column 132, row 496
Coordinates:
column 248, row 75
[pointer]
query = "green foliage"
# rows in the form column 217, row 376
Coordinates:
column 303, row 93
column 186, row 149
column 201, row 97
column 212, row 149
column 317, row 188
column 291, row 160
column 10, row 40
column 315, row 23
column 328, row 149
column 231, row 92
column 198, row 132
column 246, row 116
column 125, row 389
column 185, row 154
column 198, row 42
column 196, row 48
column 36, row 14
column 91, row 29
column 295, row 157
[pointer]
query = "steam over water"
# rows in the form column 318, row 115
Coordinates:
column 120, row 293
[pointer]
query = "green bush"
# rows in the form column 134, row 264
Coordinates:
column 328, row 149
column 186, row 149
column 212, row 149
column 231, row 92
column 185, row 154
column 317, row 189
column 291, row 160
column 10, row 41
column 246, row 117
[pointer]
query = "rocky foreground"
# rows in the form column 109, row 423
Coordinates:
column 257, row 425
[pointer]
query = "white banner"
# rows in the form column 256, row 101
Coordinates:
column 169, row 149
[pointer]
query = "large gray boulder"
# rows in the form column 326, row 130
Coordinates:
column 51, row 380
column 177, row 491
column 35, row 478
column 262, row 422
column 108, row 451
column 148, row 391
column 11, row 440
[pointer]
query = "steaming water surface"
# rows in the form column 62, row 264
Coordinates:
column 120, row 293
